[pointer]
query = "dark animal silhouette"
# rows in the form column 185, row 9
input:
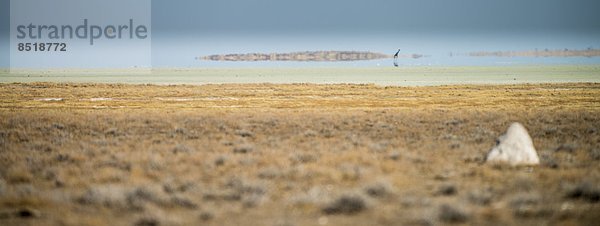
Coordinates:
column 396, row 58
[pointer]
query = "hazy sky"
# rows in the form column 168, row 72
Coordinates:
column 376, row 15
column 181, row 17
column 368, row 15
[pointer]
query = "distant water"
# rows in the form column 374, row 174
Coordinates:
column 439, row 49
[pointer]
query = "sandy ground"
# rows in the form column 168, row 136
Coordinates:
column 263, row 154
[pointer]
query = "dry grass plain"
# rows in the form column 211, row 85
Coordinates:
column 301, row 154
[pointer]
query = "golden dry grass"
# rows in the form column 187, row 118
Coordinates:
column 268, row 154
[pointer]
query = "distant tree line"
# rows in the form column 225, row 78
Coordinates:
column 299, row 56
column 589, row 52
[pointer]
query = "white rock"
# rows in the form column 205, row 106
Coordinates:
column 514, row 147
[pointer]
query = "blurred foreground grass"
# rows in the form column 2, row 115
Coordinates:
column 301, row 154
